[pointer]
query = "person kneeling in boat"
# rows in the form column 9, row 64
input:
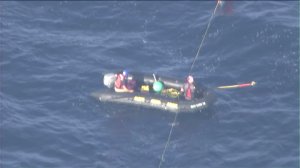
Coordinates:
column 122, row 82
column 188, row 88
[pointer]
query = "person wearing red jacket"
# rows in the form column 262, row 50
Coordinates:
column 121, row 82
column 189, row 88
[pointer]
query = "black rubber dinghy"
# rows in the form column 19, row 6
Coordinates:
column 169, row 99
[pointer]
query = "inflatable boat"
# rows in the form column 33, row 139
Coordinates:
column 169, row 99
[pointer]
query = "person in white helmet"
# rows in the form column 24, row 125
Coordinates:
column 188, row 88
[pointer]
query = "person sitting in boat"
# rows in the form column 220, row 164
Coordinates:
column 188, row 88
column 121, row 83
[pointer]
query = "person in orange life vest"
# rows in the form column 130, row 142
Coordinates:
column 121, row 82
column 188, row 88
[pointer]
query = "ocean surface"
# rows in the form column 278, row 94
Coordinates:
column 53, row 55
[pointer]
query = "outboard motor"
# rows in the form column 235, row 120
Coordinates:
column 109, row 80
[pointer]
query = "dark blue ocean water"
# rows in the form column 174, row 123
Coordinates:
column 53, row 55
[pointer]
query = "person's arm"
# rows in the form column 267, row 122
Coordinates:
column 183, row 88
column 193, row 88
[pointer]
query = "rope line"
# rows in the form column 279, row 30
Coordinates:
column 175, row 118
column 169, row 137
column 200, row 46
column 168, row 141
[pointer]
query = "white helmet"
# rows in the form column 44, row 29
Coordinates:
column 125, row 73
column 190, row 79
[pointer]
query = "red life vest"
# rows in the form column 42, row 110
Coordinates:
column 119, row 81
column 188, row 93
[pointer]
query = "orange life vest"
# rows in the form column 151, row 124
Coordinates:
column 119, row 81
